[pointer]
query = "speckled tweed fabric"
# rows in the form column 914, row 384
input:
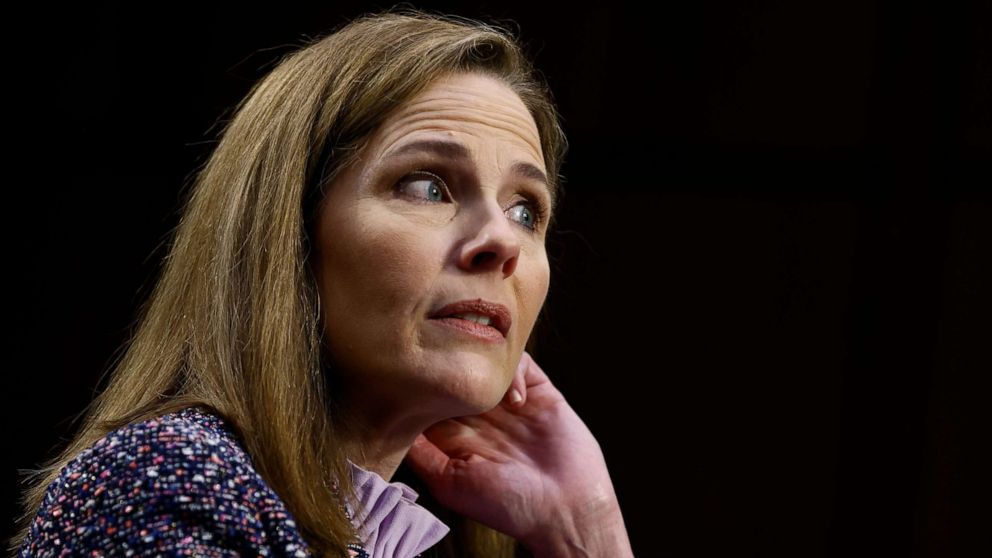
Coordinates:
column 182, row 485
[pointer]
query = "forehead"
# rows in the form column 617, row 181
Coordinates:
column 474, row 107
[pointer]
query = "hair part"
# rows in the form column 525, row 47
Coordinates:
column 234, row 323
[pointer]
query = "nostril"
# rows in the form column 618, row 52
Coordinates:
column 483, row 258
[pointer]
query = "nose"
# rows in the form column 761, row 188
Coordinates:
column 491, row 243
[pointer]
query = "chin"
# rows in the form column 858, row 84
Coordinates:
column 474, row 388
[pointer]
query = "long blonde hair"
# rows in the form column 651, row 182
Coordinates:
column 233, row 323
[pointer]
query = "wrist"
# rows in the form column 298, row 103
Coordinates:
column 592, row 533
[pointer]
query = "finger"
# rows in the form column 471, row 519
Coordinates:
column 516, row 395
column 426, row 459
column 532, row 373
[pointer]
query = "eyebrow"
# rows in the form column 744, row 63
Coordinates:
column 455, row 150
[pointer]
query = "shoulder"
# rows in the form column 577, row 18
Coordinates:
column 169, row 449
column 180, row 481
column 187, row 452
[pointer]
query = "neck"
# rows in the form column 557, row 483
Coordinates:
column 376, row 436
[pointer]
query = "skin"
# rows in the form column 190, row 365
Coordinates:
column 388, row 256
column 392, row 247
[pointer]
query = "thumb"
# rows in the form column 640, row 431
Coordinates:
column 426, row 459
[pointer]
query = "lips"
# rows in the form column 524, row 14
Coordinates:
column 498, row 314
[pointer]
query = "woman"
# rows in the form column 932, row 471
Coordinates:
column 351, row 287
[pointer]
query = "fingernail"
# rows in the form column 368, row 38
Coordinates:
column 515, row 396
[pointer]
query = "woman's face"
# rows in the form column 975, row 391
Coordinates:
column 445, row 205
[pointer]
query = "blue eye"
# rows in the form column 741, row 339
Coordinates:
column 431, row 188
column 524, row 214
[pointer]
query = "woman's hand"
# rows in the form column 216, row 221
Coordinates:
column 528, row 468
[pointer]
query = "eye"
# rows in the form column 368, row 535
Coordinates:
column 429, row 187
column 525, row 215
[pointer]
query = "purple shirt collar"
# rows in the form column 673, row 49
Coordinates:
column 391, row 523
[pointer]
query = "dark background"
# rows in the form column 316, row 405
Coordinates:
column 770, row 280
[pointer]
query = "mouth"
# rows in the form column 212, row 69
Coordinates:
column 479, row 313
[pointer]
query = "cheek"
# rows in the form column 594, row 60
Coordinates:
column 533, row 289
column 379, row 271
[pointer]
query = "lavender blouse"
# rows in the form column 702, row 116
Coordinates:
column 182, row 485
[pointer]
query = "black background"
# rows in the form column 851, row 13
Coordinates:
column 770, row 280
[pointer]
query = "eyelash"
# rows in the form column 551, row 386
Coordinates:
column 537, row 206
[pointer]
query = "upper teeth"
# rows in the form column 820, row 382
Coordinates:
column 478, row 318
